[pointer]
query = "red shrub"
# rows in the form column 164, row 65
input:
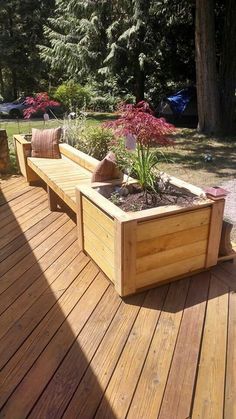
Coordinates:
column 40, row 102
column 140, row 121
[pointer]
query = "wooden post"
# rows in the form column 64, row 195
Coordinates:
column 4, row 152
column 215, row 232
column 128, row 285
column 79, row 215
column 225, row 241
column 52, row 199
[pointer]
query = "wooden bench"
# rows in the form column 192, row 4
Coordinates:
column 60, row 175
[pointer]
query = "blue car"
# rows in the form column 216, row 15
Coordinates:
column 13, row 109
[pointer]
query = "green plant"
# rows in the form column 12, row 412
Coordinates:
column 91, row 140
column 143, row 168
column 95, row 141
column 139, row 123
column 73, row 130
column 124, row 159
column 115, row 198
column 72, row 95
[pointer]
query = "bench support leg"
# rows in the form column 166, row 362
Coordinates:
column 52, row 199
column 32, row 177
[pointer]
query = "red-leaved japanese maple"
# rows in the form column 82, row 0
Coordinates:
column 148, row 131
column 40, row 102
column 140, row 121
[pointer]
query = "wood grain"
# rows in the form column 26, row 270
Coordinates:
column 179, row 389
column 230, row 385
column 121, row 387
column 209, row 395
column 151, row 385
column 215, row 232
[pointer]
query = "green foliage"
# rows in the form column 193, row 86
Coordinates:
column 107, row 95
column 115, row 198
column 124, row 158
column 73, row 130
column 92, row 140
column 77, row 38
column 95, row 142
column 105, row 103
column 143, row 168
column 135, row 47
column 21, row 29
column 72, row 95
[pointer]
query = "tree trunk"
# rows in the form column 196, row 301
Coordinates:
column 14, row 84
column 141, row 18
column 4, row 152
column 140, row 85
column 207, row 85
column 228, row 68
column 1, row 82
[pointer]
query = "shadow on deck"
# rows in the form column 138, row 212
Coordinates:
column 71, row 347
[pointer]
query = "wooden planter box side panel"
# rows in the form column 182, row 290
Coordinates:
column 171, row 246
column 216, row 223
column 99, row 237
column 23, row 150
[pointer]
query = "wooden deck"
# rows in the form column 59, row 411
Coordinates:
column 71, row 347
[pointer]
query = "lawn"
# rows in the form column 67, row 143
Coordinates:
column 24, row 126
column 186, row 159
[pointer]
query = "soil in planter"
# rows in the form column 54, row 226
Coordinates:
column 132, row 198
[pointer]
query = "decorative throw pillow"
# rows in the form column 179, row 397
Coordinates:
column 106, row 169
column 45, row 143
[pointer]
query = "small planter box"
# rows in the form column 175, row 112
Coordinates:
column 23, row 150
column 147, row 248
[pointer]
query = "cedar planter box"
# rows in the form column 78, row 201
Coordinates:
column 147, row 248
column 23, row 150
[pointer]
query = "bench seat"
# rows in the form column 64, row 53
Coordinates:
column 62, row 176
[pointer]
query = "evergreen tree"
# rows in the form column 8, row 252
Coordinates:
column 129, row 40
column 146, row 46
column 21, row 29
column 77, row 36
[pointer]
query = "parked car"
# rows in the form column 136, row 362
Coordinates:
column 15, row 109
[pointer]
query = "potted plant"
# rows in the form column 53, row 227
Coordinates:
column 161, row 239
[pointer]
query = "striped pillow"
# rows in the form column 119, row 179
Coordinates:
column 106, row 169
column 45, row 143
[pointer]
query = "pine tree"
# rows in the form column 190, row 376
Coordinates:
column 77, row 37
column 21, row 29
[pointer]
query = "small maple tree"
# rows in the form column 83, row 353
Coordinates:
column 148, row 131
column 140, row 121
column 40, row 102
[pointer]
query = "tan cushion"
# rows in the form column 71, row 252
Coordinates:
column 106, row 169
column 45, row 143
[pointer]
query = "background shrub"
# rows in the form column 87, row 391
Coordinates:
column 95, row 142
column 73, row 96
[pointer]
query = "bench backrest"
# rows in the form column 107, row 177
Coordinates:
column 78, row 157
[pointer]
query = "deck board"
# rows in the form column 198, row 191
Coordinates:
column 71, row 347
